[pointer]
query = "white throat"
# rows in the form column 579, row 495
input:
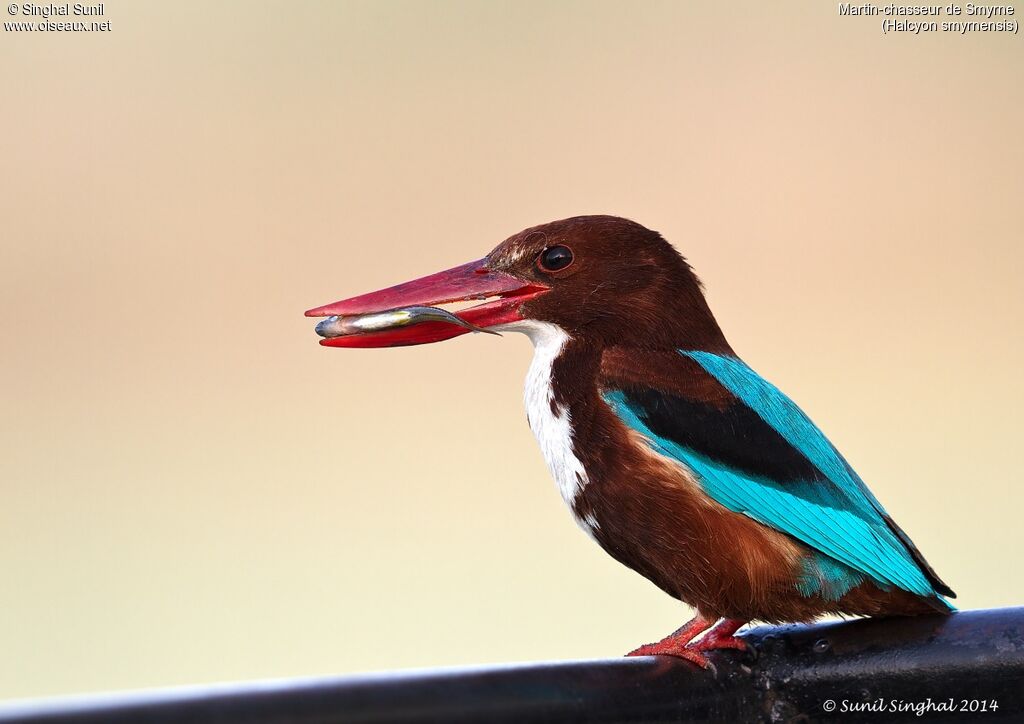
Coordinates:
column 550, row 421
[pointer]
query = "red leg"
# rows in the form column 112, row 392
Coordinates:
column 675, row 643
column 720, row 636
column 681, row 644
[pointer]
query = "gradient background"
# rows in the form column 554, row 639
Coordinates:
column 193, row 490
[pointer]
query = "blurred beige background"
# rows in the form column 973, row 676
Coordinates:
column 194, row 490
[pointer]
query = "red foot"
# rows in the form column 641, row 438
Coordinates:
column 675, row 643
column 681, row 644
column 719, row 637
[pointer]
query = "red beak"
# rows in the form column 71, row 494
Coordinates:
column 468, row 281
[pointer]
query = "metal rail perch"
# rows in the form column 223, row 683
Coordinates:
column 968, row 667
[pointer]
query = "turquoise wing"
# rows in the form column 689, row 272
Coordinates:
column 763, row 457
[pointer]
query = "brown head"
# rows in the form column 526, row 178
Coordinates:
column 603, row 279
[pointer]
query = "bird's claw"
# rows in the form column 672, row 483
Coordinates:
column 676, row 650
column 645, row 650
column 713, row 643
column 684, row 644
column 694, row 651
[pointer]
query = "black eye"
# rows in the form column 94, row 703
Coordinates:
column 555, row 258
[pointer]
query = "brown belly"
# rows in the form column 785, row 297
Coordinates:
column 653, row 517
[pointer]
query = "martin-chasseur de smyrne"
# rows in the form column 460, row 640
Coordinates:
column 677, row 458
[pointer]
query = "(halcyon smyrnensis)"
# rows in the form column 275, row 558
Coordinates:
column 675, row 456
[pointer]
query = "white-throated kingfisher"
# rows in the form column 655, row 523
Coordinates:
column 671, row 453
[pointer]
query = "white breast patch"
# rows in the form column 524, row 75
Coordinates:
column 552, row 427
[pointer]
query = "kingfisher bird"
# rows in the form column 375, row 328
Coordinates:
column 671, row 453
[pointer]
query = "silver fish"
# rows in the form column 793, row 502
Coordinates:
column 339, row 326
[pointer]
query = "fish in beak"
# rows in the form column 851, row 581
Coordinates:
column 407, row 314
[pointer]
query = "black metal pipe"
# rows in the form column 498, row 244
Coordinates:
column 963, row 668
